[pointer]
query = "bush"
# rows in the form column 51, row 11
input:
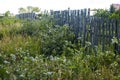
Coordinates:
column 8, row 21
column 80, row 66
column 53, row 41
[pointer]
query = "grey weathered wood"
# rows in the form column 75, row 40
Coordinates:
column 103, row 37
column 26, row 16
column 101, row 30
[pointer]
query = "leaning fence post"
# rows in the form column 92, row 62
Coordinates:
column 116, row 36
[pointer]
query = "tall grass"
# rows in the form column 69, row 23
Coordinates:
column 10, row 44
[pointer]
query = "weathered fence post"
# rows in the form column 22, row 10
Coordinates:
column 116, row 36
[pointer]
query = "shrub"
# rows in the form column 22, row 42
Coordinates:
column 53, row 41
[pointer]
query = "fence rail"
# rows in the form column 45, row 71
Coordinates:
column 97, row 30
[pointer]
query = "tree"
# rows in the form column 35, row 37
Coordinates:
column 102, row 13
column 22, row 10
column 7, row 14
column 111, row 13
column 112, row 9
column 29, row 9
column 115, row 15
column 32, row 9
column 36, row 9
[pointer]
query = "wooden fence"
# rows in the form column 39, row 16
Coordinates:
column 26, row 16
column 97, row 30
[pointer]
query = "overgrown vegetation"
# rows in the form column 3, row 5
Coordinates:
column 112, row 13
column 39, row 49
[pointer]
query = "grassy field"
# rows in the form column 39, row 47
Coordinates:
column 40, row 50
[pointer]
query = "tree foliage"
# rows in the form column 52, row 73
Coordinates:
column 7, row 14
column 102, row 13
column 111, row 13
column 112, row 9
column 29, row 9
column 22, row 10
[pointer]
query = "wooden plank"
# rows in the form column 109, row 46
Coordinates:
column 99, row 31
column 109, row 31
column 118, row 30
column 68, row 15
column 84, row 26
column 77, row 23
column 117, row 35
column 103, row 32
column 91, row 32
column 112, row 28
column 80, row 24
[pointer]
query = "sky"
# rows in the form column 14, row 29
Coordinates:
column 14, row 5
